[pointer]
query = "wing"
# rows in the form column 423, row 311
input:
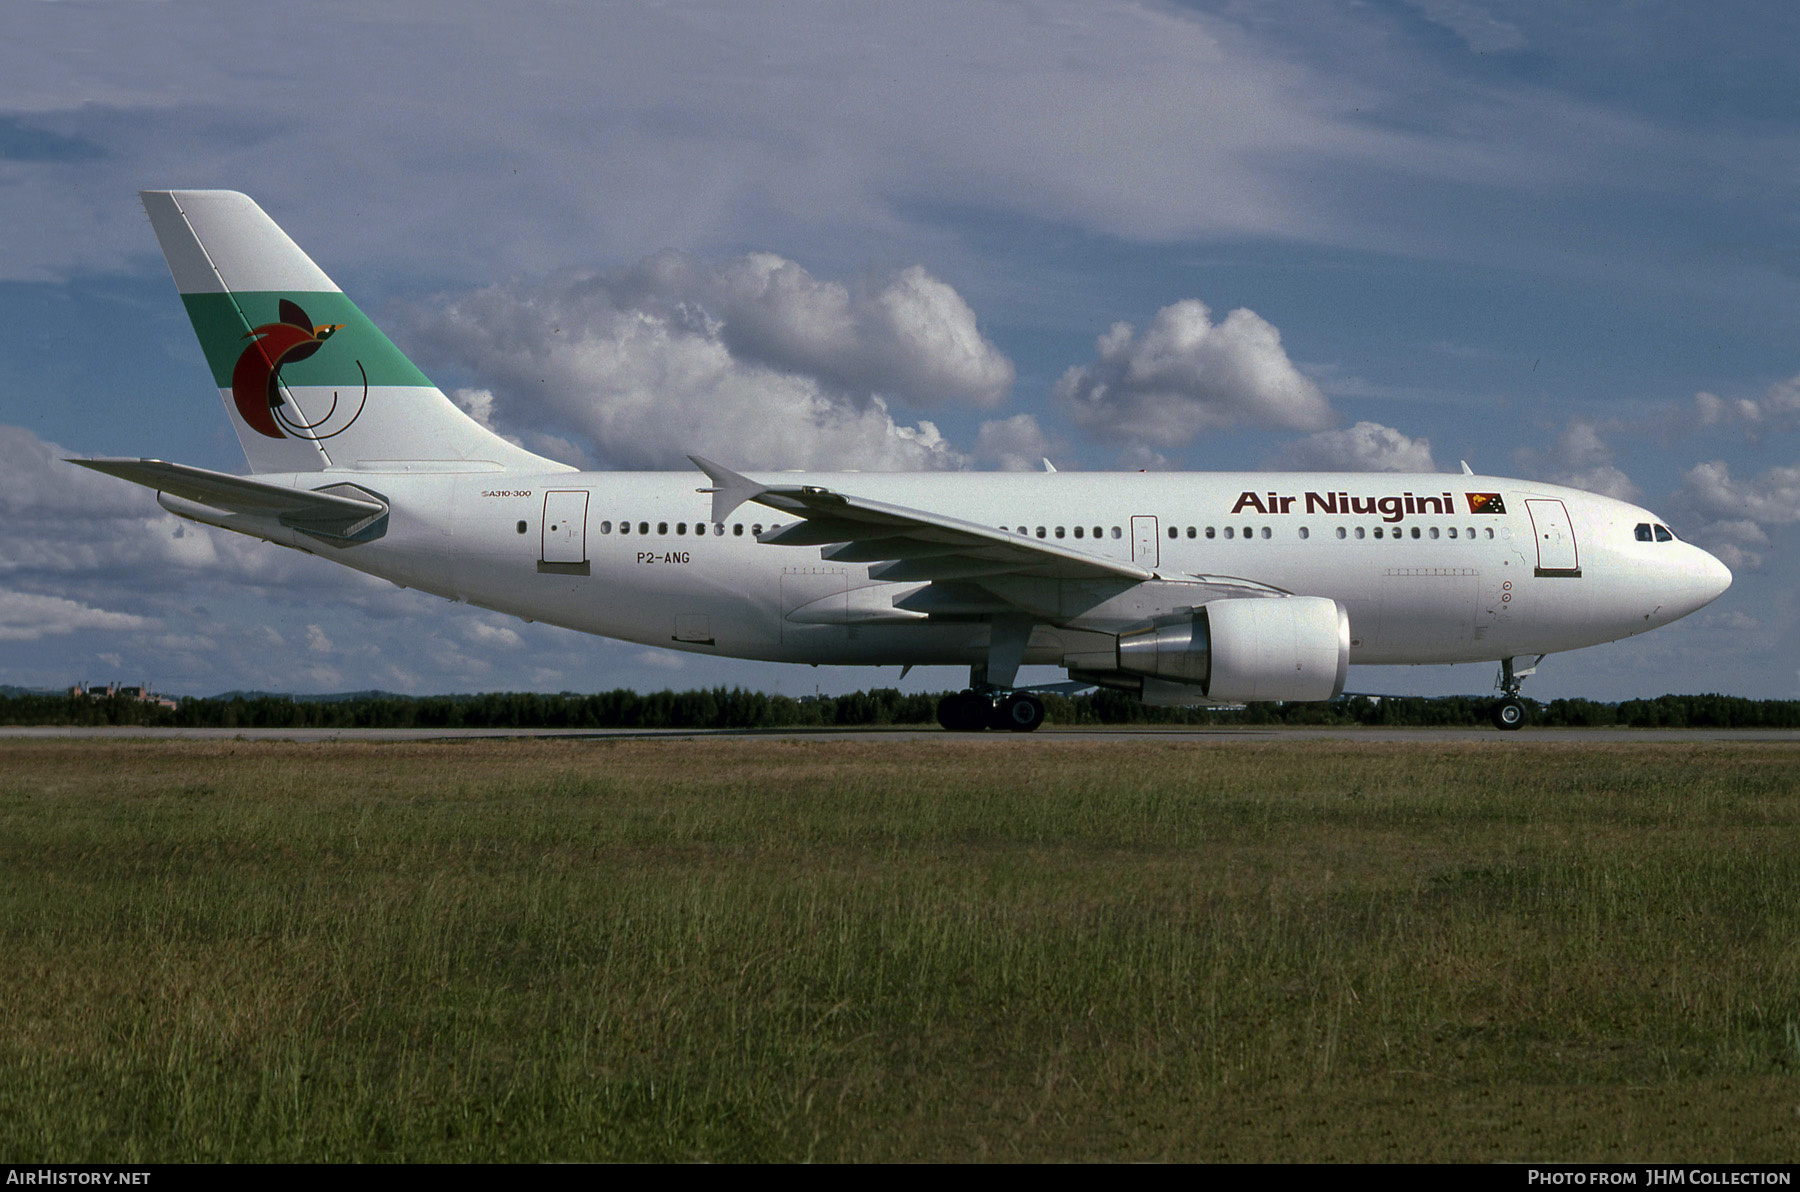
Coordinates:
column 907, row 544
column 343, row 513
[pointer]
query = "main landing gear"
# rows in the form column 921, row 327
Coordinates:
column 973, row 711
column 1508, row 713
column 990, row 701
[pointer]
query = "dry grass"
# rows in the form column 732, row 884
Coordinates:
column 746, row 949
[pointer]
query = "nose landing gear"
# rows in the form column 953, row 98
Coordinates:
column 1508, row 713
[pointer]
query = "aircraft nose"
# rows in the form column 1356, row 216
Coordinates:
column 1705, row 579
column 1716, row 577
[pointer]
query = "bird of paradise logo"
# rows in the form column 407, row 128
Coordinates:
column 256, row 380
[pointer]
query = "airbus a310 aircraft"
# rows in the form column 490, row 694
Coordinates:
column 1198, row 588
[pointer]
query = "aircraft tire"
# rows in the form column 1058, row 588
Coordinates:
column 1018, row 712
column 1508, row 714
column 964, row 712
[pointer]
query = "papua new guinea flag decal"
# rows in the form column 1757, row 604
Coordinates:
column 1485, row 503
column 256, row 380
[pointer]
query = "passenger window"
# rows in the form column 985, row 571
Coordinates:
column 643, row 527
column 1267, row 532
column 1174, row 532
column 1097, row 532
column 1663, row 535
column 1248, row 532
column 1434, row 531
column 1342, row 533
column 700, row 528
column 1116, row 532
column 1059, row 531
column 1079, row 530
column 1359, row 531
column 1643, row 532
column 1415, row 531
column 521, row 527
column 1229, row 532
column 1192, row 532
column 681, row 527
column 737, row 529
column 1040, row 531
column 606, row 527
column 756, row 529
column 1209, row 531
column 1304, row 533
column 1452, row 531
column 1377, row 531
column 1490, row 531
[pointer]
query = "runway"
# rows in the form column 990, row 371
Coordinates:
column 1124, row 735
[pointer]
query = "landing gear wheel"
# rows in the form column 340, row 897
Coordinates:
column 964, row 712
column 1019, row 712
column 1508, row 715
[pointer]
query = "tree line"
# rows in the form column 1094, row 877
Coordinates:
column 735, row 707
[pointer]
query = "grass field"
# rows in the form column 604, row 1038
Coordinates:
column 929, row 949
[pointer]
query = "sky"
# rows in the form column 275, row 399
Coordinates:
column 1557, row 241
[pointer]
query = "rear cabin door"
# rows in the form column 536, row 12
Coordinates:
column 565, row 530
column 1145, row 548
column 1557, row 554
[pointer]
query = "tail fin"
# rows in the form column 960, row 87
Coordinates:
column 308, row 381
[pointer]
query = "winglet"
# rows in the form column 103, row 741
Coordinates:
column 1467, row 470
column 729, row 489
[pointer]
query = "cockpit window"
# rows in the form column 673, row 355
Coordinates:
column 1643, row 532
column 1663, row 534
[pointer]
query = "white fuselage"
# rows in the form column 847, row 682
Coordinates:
column 635, row 556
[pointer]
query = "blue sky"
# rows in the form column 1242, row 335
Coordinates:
column 1558, row 241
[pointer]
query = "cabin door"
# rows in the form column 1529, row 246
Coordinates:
column 1555, row 538
column 565, row 528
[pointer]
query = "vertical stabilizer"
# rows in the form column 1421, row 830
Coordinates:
column 308, row 381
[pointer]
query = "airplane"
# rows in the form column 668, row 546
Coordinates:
column 1180, row 588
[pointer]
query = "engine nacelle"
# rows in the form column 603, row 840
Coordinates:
column 1279, row 648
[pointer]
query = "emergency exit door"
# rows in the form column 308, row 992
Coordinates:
column 1145, row 549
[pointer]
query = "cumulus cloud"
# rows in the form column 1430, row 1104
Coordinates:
column 1772, row 499
column 755, row 362
column 27, row 616
column 1778, row 409
column 1016, row 444
column 1365, row 447
column 1185, row 374
column 1735, row 515
column 485, row 633
column 911, row 337
column 1581, row 458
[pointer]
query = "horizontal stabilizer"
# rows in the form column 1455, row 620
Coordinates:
column 341, row 513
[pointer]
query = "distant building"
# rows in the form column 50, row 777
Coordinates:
column 140, row 692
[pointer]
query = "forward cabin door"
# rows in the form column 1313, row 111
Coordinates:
column 1555, row 533
column 564, row 532
column 1145, row 548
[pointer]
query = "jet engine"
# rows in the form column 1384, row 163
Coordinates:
column 1278, row 648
